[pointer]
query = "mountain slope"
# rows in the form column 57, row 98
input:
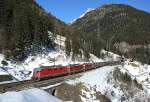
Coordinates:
column 116, row 19
column 116, row 25
column 24, row 27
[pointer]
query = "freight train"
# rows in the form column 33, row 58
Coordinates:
column 44, row 72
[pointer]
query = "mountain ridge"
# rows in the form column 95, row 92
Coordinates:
column 114, row 24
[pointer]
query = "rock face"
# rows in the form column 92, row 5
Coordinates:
column 78, row 93
column 116, row 24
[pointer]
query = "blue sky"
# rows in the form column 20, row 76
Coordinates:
column 67, row 10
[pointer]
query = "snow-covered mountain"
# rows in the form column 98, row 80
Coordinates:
column 82, row 15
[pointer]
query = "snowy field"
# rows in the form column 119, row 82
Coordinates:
column 94, row 81
column 31, row 95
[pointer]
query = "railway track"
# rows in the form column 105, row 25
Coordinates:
column 17, row 86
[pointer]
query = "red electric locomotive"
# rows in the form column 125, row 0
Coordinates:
column 53, row 71
column 49, row 71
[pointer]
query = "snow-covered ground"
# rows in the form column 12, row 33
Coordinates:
column 3, row 72
column 31, row 95
column 97, row 81
column 23, row 71
column 94, row 81
column 138, row 71
column 102, row 80
column 94, row 77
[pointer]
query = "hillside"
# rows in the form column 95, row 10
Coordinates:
column 116, row 27
column 24, row 27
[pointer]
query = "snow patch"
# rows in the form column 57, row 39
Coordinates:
column 3, row 72
column 94, row 78
column 138, row 71
column 31, row 95
column 82, row 15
